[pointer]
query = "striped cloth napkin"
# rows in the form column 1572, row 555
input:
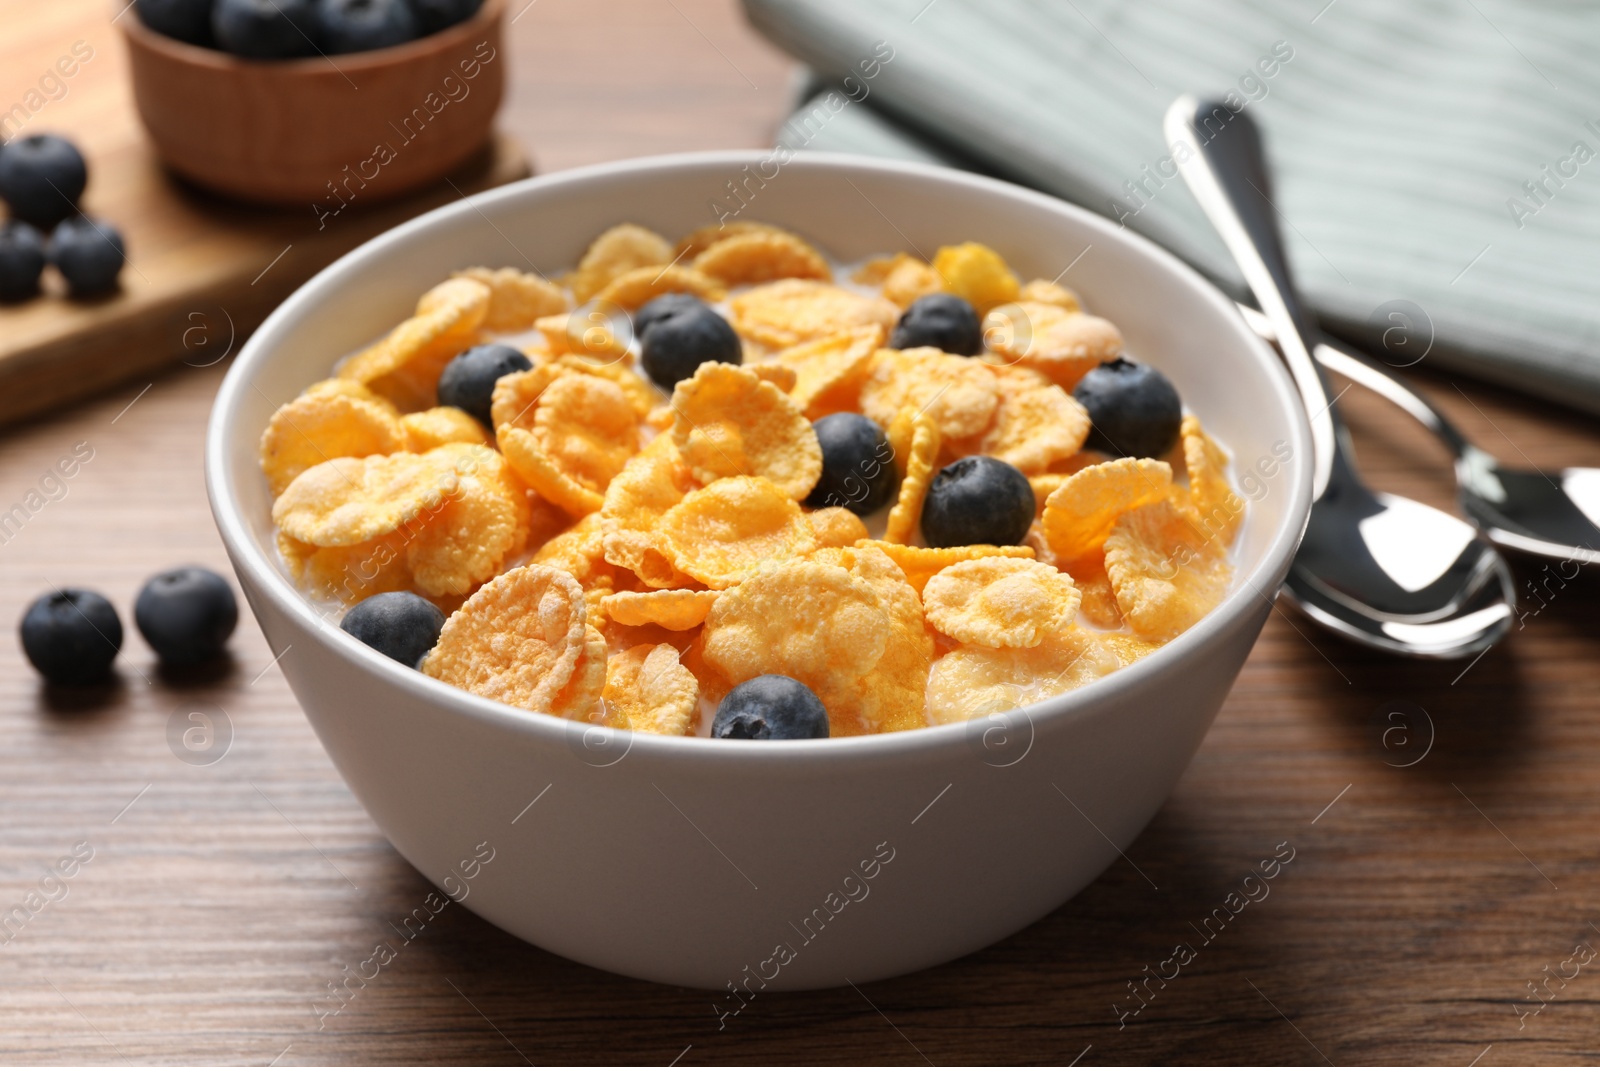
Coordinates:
column 1435, row 160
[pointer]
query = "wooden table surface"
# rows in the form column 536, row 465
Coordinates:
column 1442, row 816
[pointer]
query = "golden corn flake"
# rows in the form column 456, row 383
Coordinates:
column 648, row 690
column 837, row 527
column 1099, row 603
column 1165, row 572
column 960, row 393
column 517, row 640
column 1080, row 513
column 427, row 430
column 915, row 439
column 565, row 433
column 405, row 366
column 1040, row 291
column 325, row 425
column 580, row 551
column 722, row 534
column 517, row 300
column 1060, row 344
column 750, row 258
column 346, row 387
column 614, row 253
column 973, row 682
column 649, row 485
column 1000, row 603
column 347, row 501
column 635, row 288
column 909, row 278
column 671, row 609
column 1128, row 648
column 591, row 333
column 730, row 422
column 481, row 526
column 580, row 697
column 776, row 373
column 1218, row 507
column 976, row 273
column 640, row 393
column 706, row 236
column 350, row 573
column 1037, row 423
column 829, row 372
column 785, row 313
column 1043, row 485
column 919, row 564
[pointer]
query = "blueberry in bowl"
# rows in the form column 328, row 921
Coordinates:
column 978, row 500
column 364, row 25
column 468, row 380
column 772, row 707
column 857, row 464
column 1134, row 410
column 266, row 29
column 677, row 338
column 182, row 20
column 435, row 15
column 940, row 320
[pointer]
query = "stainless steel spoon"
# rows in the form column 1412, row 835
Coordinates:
column 1554, row 516
column 1377, row 568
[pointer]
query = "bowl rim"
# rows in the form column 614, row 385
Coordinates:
column 270, row 583
column 193, row 55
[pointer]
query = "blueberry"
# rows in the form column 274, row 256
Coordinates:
column 89, row 254
column 21, row 261
column 266, row 29
column 1133, row 409
column 857, row 464
column 186, row 614
column 71, row 636
column 185, row 20
column 941, row 320
column 363, row 25
column 402, row 626
column 676, row 341
column 41, row 177
column 663, row 306
column 435, row 15
column 773, row 707
column 978, row 500
column 468, row 380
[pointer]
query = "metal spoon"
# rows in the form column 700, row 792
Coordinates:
column 1380, row 569
column 1554, row 516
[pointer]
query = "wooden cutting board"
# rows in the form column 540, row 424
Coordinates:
column 202, row 271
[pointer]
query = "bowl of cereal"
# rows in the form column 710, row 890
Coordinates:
column 674, row 593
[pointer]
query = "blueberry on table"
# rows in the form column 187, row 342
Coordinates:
column 265, row 29
column 402, row 626
column 89, row 254
column 857, row 464
column 978, row 500
column 675, row 343
column 21, row 261
column 71, row 636
column 435, row 15
column 1133, row 409
column 942, row 320
column 41, row 178
column 773, row 707
column 363, row 25
column 183, row 20
column 186, row 614
column 663, row 306
column 468, row 380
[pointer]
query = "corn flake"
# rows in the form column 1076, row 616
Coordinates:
column 1165, row 572
column 830, row 371
column 730, row 422
column 1036, row 423
column 1099, row 603
column 1040, row 291
column 565, row 433
column 973, row 682
column 580, row 697
column 580, row 551
column 960, row 393
column 348, row 500
column 481, row 526
column 671, row 609
column 649, row 485
column 998, row 602
column 592, row 332
column 697, row 242
column 614, row 253
column 785, row 313
column 427, row 430
column 723, row 533
column 405, row 366
column 750, row 258
column 915, row 439
column 517, row 300
column 1061, row 344
column 350, row 573
column 635, row 288
column 976, row 273
column 648, row 690
column 1218, row 508
column 919, row 564
column 1081, row 512
column 837, row 527
column 909, row 279
column 779, row 375
column 324, row 425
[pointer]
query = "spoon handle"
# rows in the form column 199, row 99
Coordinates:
column 1219, row 153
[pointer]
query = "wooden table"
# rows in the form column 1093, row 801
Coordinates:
column 220, row 899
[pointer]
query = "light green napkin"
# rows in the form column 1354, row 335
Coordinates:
column 1438, row 155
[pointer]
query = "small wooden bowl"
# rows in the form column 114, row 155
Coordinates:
column 326, row 131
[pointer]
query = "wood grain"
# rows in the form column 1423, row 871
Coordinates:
column 219, row 904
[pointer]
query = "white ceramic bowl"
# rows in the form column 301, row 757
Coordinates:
column 688, row 861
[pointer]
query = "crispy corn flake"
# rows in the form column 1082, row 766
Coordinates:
column 517, row 640
column 350, row 573
column 723, row 533
column 1060, row 344
column 580, row 697
column 481, row 526
column 706, row 236
column 347, row 387
column 1043, row 485
column 973, row 682
column 1040, row 291
column 779, row 375
column 640, row 393
column 1165, row 572
column 565, row 433
column 830, row 371
column 1036, row 423
column 516, row 299
column 1128, row 648
column 751, row 258
column 730, row 423
column 1000, row 603
column 405, row 366
column 591, row 332
column 317, row 427
column 785, row 313
column 837, row 527
column 580, row 551
column 348, row 500
column 650, row 484
column 713, row 686
column 1080, row 513
column 1099, row 603
column 915, row 438
column 427, row 430
column 976, row 273
column 648, row 690
column 635, row 288
column 960, row 393
column 614, row 253
column 909, row 279
column 919, row 564
column 671, row 609
column 1218, row 509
